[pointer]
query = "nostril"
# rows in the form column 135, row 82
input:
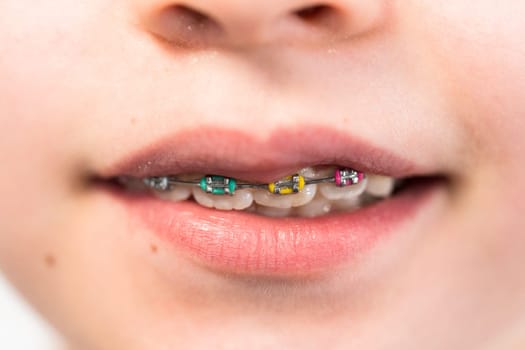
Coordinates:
column 320, row 15
column 190, row 17
column 313, row 13
column 184, row 26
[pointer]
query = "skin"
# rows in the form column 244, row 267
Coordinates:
column 442, row 83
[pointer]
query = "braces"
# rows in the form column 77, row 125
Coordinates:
column 221, row 185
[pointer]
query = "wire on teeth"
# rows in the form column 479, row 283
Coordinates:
column 288, row 185
column 158, row 183
column 347, row 177
column 221, row 185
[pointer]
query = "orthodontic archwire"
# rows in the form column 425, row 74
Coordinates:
column 221, row 185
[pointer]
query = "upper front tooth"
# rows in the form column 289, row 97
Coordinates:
column 332, row 192
column 316, row 173
column 240, row 200
column 380, row 186
column 269, row 199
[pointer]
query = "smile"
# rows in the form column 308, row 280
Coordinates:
column 311, row 192
column 257, row 219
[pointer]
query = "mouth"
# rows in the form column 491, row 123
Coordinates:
column 273, row 207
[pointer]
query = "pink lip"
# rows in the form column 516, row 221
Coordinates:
column 241, row 155
column 244, row 243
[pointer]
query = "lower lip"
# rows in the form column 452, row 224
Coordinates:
column 244, row 243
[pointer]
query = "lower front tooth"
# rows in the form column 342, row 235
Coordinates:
column 268, row 199
column 177, row 193
column 242, row 199
column 317, row 207
column 273, row 212
column 332, row 192
column 347, row 204
column 132, row 184
column 380, row 186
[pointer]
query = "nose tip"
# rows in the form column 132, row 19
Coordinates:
column 200, row 23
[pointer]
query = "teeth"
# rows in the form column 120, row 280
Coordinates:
column 132, row 184
column 331, row 192
column 347, row 204
column 317, row 207
column 263, row 197
column 242, row 199
column 311, row 201
column 267, row 199
column 317, row 173
column 177, row 193
column 273, row 212
column 380, row 186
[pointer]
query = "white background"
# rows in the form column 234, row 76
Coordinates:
column 20, row 327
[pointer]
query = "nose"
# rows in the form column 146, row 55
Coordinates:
column 243, row 23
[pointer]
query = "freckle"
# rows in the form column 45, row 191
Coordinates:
column 153, row 248
column 50, row 261
column 133, row 121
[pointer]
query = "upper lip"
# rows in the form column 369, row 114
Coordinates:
column 237, row 154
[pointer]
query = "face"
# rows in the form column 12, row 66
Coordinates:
column 97, row 90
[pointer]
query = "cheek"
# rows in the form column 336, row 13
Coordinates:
column 480, row 50
column 477, row 51
column 36, row 146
